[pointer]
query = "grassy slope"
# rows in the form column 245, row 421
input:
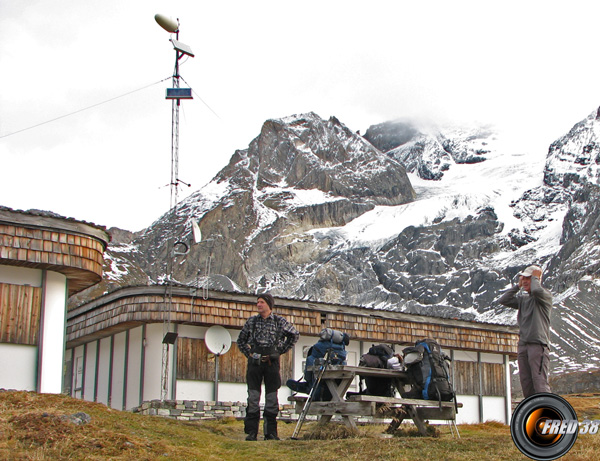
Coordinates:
column 31, row 428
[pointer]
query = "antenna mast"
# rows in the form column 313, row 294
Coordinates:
column 175, row 94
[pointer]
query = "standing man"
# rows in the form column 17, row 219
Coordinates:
column 534, row 303
column 263, row 339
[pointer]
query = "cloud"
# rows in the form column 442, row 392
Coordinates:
column 527, row 67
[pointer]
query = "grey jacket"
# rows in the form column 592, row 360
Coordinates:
column 533, row 317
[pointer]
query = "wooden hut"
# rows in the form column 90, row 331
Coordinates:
column 43, row 260
column 115, row 347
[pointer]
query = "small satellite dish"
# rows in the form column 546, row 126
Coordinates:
column 170, row 25
column 217, row 339
column 197, row 232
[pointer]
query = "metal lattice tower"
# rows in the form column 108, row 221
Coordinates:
column 175, row 94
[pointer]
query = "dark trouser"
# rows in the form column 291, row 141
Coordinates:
column 254, row 377
column 534, row 366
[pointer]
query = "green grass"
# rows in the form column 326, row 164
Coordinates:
column 31, row 428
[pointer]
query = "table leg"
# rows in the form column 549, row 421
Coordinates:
column 349, row 422
column 412, row 411
column 338, row 390
column 396, row 420
column 337, row 395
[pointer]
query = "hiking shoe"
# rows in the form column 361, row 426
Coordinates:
column 251, row 437
column 271, row 437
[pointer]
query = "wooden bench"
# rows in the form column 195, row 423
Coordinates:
column 417, row 410
column 398, row 409
column 338, row 379
column 427, row 409
column 332, row 408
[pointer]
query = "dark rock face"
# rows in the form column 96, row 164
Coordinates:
column 389, row 135
column 439, row 264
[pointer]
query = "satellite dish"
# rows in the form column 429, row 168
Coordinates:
column 197, row 232
column 170, row 25
column 217, row 339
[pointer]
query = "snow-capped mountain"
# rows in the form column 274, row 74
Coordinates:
column 434, row 221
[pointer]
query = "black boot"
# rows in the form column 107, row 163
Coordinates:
column 251, row 426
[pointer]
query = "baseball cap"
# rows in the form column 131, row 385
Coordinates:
column 530, row 270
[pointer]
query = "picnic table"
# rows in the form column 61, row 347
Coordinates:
column 339, row 378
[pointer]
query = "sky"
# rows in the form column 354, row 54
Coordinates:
column 85, row 129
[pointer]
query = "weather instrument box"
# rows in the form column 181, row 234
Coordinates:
column 179, row 93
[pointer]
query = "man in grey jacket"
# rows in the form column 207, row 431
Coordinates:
column 534, row 303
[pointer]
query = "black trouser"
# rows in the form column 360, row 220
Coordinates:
column 269, row 372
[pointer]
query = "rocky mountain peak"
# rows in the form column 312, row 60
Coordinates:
column 306, row 152
column 574, row 159
column 430, row 151
column 311, row 210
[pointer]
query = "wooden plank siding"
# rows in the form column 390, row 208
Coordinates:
column 137, row 305
column 26, row 242
column 465, row 379
column 20, row 314
column 196, row 362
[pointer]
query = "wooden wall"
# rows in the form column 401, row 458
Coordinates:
column 20, row 314
column 148, row 305
column 79, row 257
column 196, row 362
column 465, row 378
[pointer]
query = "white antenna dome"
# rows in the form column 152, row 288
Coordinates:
column 170, row 25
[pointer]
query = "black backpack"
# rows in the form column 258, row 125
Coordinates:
column 377, row 357
column 428, row 366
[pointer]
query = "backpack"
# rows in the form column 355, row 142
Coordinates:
column 329, row 339
column 427, row 365
column 377, row 357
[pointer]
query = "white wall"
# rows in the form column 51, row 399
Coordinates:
column 469, row 413
column 52, row 333
column 153, row 365
column 90, row 371
column 78, row 371
column 20, row 276
column 491, row 358
column 115, row 386
column 191, row 331
column 118, row 372
column 18, row 365
column 134, row 368
column 494, row 408
column 204, row 390
column 465, row 356
column 103, row 370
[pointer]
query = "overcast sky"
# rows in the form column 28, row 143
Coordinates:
column 529, row 67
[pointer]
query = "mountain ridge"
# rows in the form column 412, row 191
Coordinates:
column 311, row 210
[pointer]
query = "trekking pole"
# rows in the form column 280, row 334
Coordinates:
column 313, row 389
